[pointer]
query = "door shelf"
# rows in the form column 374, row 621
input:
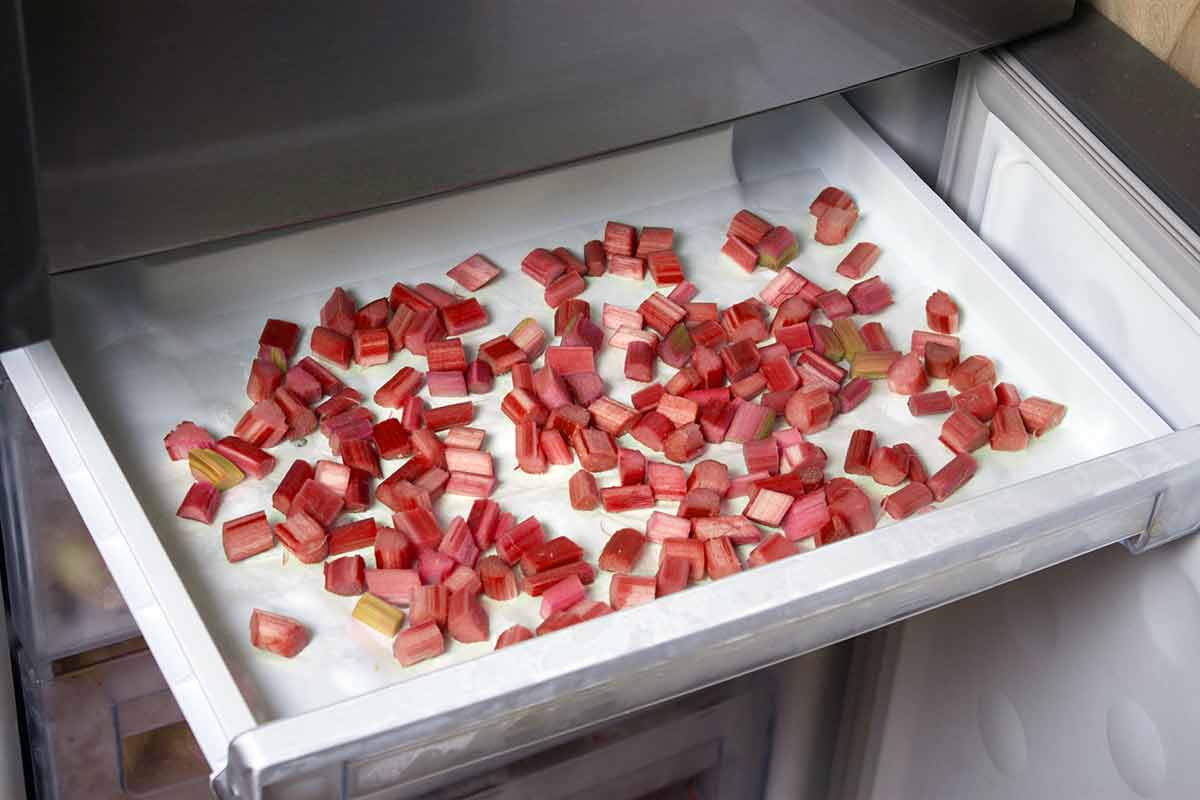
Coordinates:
column 169, row 338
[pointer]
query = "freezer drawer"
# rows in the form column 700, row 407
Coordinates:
column 61, row 597
column 168, row 337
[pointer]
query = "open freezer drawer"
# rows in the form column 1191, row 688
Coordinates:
column 146, row 343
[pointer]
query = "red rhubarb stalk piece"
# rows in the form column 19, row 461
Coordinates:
column 548, row 555
column 906, row 375
column 277, row 634
column 626, row 591
column 499, row 582
column 749, row 227
column 418, row 643
column 434, row 566
column 950, row 478
column 1040, row 414
column 740, row 253
column 661, row 314
column 464, row 316
column 720, row 559
column 916, row 469
column 627, row 266
column 622, row 550
column 927, row 403
column 767, row 507
column 429, row 604
column 595, row 257
column 673, row 574
column 567, row 257
column 667, row 481
column 299, row 472
column 870, row 296
column 338, row 312
column 467, row 621
column 973, row 371
column 620, row 239
column 396, row 586
column 501, row 353
column 653, row 240
column 201, row 501
column 859, row 260
column 691, row 550
column 543, row 266
column 459, row 544
column 683, row 294
column 963, row 433
column 474, row 273
column 265, row 378
column 907, row 501
column 247, row 536
column 777, row 248
column 830, row 197
column 585, row 494
column 858, row 452
column 562, row 595
column 514, row 542
column 536, row 585
column 631, row 466
column 514, row 635
column 889, row 466
column 661, row 527
column 1007, row 394
column 626, row 498
column 184, row 437
column 700, row 503
column 833, row 226
column 685, row 443
column 773, row 548
column 393, row 550
column 1008, row 431
column 941, row 313
column 352, row 536
column 440, row 418
column 737, row 529
column 483, row 520
column 665, row 268
column 346, row 576
column 563, row 288
column 980, row 401
column 595, row 449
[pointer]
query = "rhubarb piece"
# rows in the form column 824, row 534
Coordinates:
column 792, row 312
column 963, row 433
column 941, row 313
column 749, row 422
column 1007, row 395
column 466, row 620
column 459, row 544
column 293, row 479
column 652, row 430
column 783, row 287
column 447, row 355
column 412, row 414
column 419, row 643
column 621, row 552
column 567, row 314
column 700, row 503
column 530, row 457
column 371, row 346
column 263, row 425
column 624, row 336
column 373, row 314
column 405, row 383
column 391, row 440
column 740, row 358
column 631, row 466
column 973, row 371
column 426, row 327
column 402, row 295
column 667, row 481
column 616, row 317
column 761, row 455
column 570, row 360
column 428, row 447
column 246, row 536
column 357, row 496
column 889, row 466
column 745, row 485
column 338, row 312
column 465, row 484
column 1008, row 431
column 744, row 320
column 521, row 406
column 396, row 586
column 737, row 529
column 920, row 339
column 595, row 450
column 563, row 288
column 685, row 443
column 679, row 410
column 627, row 267
column 767, row 506
column 740, row 253
column 682, row 382
column 950, row 478
column 585, row 494
column 479, row 377
column 420, row 526
column 852, row 395
column 501, row 353
column 940, row 360
column 548, row 555
column 777, row 248
column 916, row 469
column 683, row 294
column 830, row 197
column 631, row 590
column 463, row 579
column 340, row 403
column 393, row 550
column 401, row 323
column 346, row 576
column 573, row 264
column 474, row 462
column 661, row 314
column 543, row 266
column 317, row 500
column 434, row 567
column 277, row 634
column 626, row 498
column 709, row 474
column 568, row 419
column 639, row 362
column 536, row 585
column 212, row 467
column 796, row 337
column 906, row 375
column 849, row 508
column 673, row 573
column 810, row 411
column 483, row 520
column 907, row 501
column 826, row 343
column 749, row 387
column 474, row 273
column 773, row 548
column 720, row 559
column 858, row 452
column 265, row 378
column 301, row 421
column 980, row 401
column 664, row 268
column 304, row 538
column 499, row 582
column 594, row 257
column 514, row 635
column 834, row 304
column 676, row 347
column 612, row 417
column 352, row 536
column 464, row 316
column 446, row 384
column 749, row 227
column 620, row 239
column 859, row 260
column 514, row 542
column 833, row 226
column 184, row 437
column 429, row 604
column 376, row 613
column 440, row 418
column 251, row 460
column 661, row 527
column 870, row 296
column 920, row 405
column 360, row 454
column 1040, row 414
column 562, row 596
column 807, row 515
column 875, row 337
column 647, row 399
column 691, row 550
column 654, row 240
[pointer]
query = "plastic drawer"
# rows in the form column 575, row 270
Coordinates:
column 107, row 728
column 62, row 598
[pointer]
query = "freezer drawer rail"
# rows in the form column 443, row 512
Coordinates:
column 491, row 710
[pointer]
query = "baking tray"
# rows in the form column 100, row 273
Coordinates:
column 154, row 341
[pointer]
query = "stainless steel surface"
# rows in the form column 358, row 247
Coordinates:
column 1077, row 510
column 164, row 124
column 24, row 300
column 910, row 113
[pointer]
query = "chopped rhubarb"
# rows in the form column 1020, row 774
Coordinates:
column 859, row 260
column 631, row 466
column 201, row 501
column 667, row 481
column 907, row 501
column 849, row 507
column 737, row 529
column 700, row 503
column 405, row 383
column 980, row 400
column 562, row 596
column 749, row 227
column 1007, row 395
column 501, row 354
column 835, row 304
column 429, row 604
column 941, row 313
column 950, row 478
column 683, row 293
column 265, row 378
column 626, row 591
column 480, row 379
column 514, row 635
column 246, row 536
column 338, row 312
column 627, row 266
column 536, row 585
column 466, row 621
column 676, row 347
column 685, row 443
column 1008, row 431
column 440, row 418
column 777, row 248
column 543, row 266
column 573, row 264
column 396, row 586
column 612, row 417
column 810, row 411
column 808, row 514
column 740, row 253
column 768, row 507
column 412, row 414
column 426, row 327
column 277, row 634
column 761, row 455
column 570, row 360
column 393, row 550
column 391, row 440
column 661, row 314
column 212, row 467
column 346, row 576
column 467, row 485
column 263, row 425
column 567, row 312
column 795, row 337
column 1040, row 414
column 474, row 273
column 464, row 316
column 483, row 520
column 654, row 240
column 665, row 268
column 858, row 453
column 870, row 296
column 673, row 574
column 301, row 421
column 595, row 257
column 973, row 371
column 927, row 403
column 463, row 579
column 548, row 555
column 418, row 643
column 251, row 460
column 447, row 355
column 889, row 466
column 434, row 566
column 691, row 550
column 826, row 343
column 744, row 320
column 916, row 469
column 585, row 494
column 400, row 324
column 773, row 548
column 851, row 338
column 741, row 358
column 568, row 419
column 749, row 422
column 625, row 335
column 317, row 500
column 661, row 527
column 353, row 536
column 402, row 295
column 626, row 498
column 530, row 457
column 371, row 346
column 569, row 284
column 940, row 360
column 373, row 314
column 963, row 433
column 686, row 380
column 615, row 317
column 420, row 526
column 446, row 384
column 749, row 387
column 783, row 287
column 852, row 395
column 906, row 375
column 184, row 437
column 459, row 544
column 620, row 239
column 720, row 559
column 299, row 472
column 340, row 403
column 360, row 454
column 833, row 226
column 830, row 197
column 595, row 449
column 499, row 582
column 514, row 542
column 745, row 485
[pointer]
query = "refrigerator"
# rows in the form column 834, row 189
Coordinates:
column 1031, row 637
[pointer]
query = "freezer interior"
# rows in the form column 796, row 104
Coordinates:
column 143, row 344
